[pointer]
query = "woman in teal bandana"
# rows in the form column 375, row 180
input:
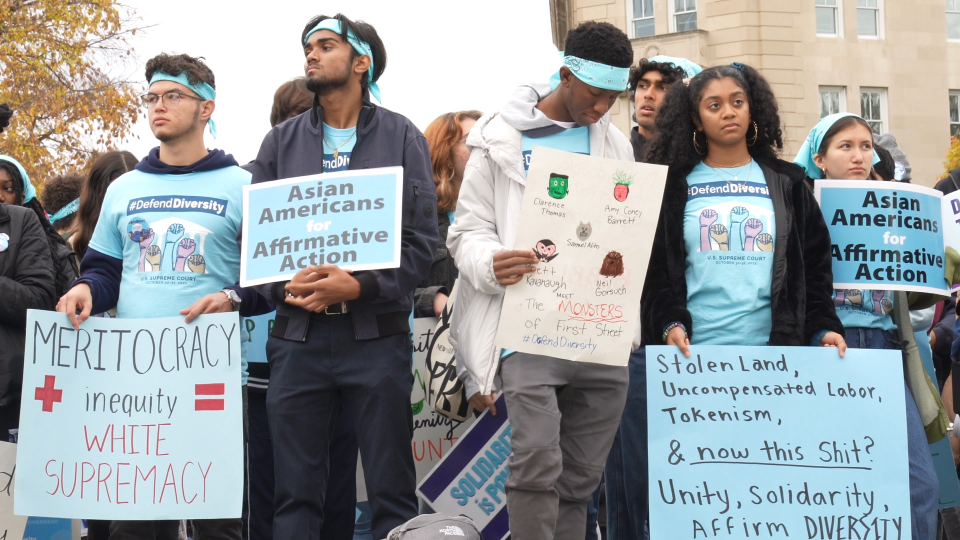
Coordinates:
column 15, row 188
column 841, row 147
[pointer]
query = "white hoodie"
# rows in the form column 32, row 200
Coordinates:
column 488, row 211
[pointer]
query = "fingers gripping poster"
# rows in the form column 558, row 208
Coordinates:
column 590, row 222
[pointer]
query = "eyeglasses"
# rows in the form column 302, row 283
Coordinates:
column 171, row 99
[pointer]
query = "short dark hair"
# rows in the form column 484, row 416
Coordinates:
column 885, row 168
column 59, row 191
column 671, row 73
column 600, row 42
column 291, row 99
column 364, row 32
column 175, row 64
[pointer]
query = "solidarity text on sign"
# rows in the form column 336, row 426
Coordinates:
column 777, row 442
column 589, row 221
column 884, row 235
column 350, row 219
column 131, row 418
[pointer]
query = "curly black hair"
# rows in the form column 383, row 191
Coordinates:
column 175, row 64
column 885, row 168
column 58, row 191
column 670, row 73
column 600, row 42
column 680, row 110
column 364, row 32
column 5, row 114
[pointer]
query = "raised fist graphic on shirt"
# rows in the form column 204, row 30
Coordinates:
column 186, row 248
column 197, row 264
column 752, row 229
column 707, row 218
column 153, row 257
column 738, row 215
column 887, row 306
column 855, row 297
column 170, row 242
column 839, row 297
column 719, row 234
column 144, row 237
column 765, row 242
column 878, row 301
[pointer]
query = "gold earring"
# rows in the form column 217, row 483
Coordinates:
column 695, row 145
column 756, row 134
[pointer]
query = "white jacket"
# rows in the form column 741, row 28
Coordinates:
column 488, row 211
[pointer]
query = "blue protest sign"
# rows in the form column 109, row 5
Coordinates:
column 471, row 478
column 777, row 442
column 940, row 450
column 40, row 528
column 256, row 330
column 350, row 219
column 131, row 418
column 884, row 235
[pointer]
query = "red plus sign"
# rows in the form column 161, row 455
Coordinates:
column 48, row 394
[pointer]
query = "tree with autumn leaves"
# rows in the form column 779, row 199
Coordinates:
column 61, row 72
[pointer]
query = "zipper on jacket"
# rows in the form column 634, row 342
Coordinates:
column 416, row 196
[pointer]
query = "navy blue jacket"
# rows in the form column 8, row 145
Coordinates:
column 384, row 139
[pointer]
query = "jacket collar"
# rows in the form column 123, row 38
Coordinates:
column 4, row 214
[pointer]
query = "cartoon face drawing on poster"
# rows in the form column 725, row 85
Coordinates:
column 178, row 248
column 558, row 186
column 545, row 250
column 584, row 230
column 612, row 265
column 621, row 187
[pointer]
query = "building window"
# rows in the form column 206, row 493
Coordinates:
column 955, row 113
column 684, row 15
column 833, row 100
column 828, row 17
column 869, row 19
column 953, row 20
column 641, row 17
column 873, row 108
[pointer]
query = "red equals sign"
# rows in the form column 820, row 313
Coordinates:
column 213, row 389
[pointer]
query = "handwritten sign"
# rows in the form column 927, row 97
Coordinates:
column 11, row 526
column 590, row 222
column 471, row 479
column 256, row 331
column 777, row 442
column 885, row 235
column 349, row 218
column 131, row 418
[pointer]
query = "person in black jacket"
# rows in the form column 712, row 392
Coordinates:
column 343, row 337
column 26, row 282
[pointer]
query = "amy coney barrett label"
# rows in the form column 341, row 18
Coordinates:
column 132, row 419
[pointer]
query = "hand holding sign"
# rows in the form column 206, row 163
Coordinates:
column 510, row 266
column 317, row 287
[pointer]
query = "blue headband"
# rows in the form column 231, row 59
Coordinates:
column 812, row 145
column 594, row 73
column 202, row 89
column 29, row 193
column 362, row 47
column 70, row 208
column 689, row 68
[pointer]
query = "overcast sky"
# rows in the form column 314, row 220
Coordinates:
column 442, row 55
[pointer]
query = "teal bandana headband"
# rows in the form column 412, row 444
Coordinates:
column 362, row 48
column 688, row 67
column 812, row 145
column 67, row 210
column 594, row 73
column 29, row 193
column 201, row 89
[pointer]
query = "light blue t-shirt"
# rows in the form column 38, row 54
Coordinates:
column 575, row 139
column 862, row 308
column 340, row 141
column 176, row 236
column 728, row 230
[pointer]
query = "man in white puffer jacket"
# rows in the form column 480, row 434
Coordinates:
column 564, row 414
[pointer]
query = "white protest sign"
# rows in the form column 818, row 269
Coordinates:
column 11, row 526
column 590, row 221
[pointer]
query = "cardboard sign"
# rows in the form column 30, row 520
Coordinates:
column 350, row 219
column 590, row 221
column 131, row 418
column 775, row 442
column 471, row 479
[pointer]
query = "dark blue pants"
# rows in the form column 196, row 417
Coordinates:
column 309, row 381
column 626, row 473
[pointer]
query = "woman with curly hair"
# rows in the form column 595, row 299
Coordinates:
column 447, row 140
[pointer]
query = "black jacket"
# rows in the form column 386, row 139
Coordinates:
column 802, row 288
column 443, row 273
column 26, row 282
column 384, row 139
column 639, row 143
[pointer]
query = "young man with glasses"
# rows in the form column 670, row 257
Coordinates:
column 142, row 244
column 339, row 337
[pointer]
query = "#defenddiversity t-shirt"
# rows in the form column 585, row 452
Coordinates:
column 341, row 142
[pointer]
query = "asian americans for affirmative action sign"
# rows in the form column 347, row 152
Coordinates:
column 350, row 219
column 777, row 442
column 133, row 419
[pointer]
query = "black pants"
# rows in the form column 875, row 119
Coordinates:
column 308, row 382
column 339, row 509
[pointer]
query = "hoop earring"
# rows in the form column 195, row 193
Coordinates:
column 695, row 145
column 756, row 135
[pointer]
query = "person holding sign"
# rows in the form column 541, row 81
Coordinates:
column 341, row 336
column 841, row 147
column 563, row 413
column 165, row 243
